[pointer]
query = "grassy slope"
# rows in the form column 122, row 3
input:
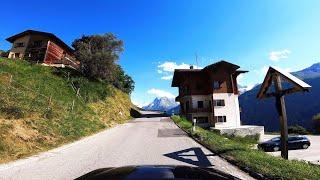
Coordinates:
column 239, row 149
column 36, row 108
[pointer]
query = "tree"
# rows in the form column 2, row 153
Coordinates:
column 296, row 129
column 98, row 55
column 316, row 122
column 123, row 81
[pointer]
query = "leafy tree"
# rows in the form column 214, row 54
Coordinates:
column 316, row 122
column 123, row 81
column 296, row 129
column 98, row 55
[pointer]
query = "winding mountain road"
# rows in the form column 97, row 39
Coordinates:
column 143, row 141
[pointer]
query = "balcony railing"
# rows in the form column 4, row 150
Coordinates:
column 199, row 110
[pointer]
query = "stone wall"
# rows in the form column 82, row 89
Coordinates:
column 242, row 131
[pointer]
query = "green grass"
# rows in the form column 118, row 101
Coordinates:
column 239, row 150
column 40, row 110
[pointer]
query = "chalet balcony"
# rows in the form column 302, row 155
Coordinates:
column 199, row 110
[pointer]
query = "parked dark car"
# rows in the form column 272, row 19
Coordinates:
column 156, row 172
column 294, row 142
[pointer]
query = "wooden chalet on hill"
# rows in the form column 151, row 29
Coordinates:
column 42, row 47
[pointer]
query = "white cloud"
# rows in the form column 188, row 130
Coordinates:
column 170, row 66
column 240, row 77
column 139, row 103
column 160, row 93
column 277, row 55
column 169, row 77
column 167, row 68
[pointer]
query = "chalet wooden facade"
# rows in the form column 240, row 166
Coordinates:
column 209, row 95
column 42, row 47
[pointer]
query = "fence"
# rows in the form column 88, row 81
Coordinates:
column 20, row 91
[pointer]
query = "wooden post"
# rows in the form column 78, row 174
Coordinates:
column 49, row 101
column 78, row 91
column 10, row 80
column 72, row 105
column 281, row 108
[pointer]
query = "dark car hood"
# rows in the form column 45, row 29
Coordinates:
column 156, row 172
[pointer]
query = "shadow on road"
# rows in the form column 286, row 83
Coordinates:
column 189, row 155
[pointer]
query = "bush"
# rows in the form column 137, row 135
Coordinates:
column 49, row 114
column 123, row 81
column 4, row 53
column 296, row 129
column 316, row 123
column 13, row 112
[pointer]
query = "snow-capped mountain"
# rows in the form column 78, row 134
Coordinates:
column 161, row 104
column 243, row 89
column 310, row 72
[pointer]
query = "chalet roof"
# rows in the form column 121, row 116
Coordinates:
column 179, row 73
column 222, row 63
column 50, row 35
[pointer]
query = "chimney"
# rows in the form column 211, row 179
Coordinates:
column 191, row 67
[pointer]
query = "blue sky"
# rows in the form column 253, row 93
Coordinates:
column 161, row 35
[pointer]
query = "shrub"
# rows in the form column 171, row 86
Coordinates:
column 2, row 146
column 4, row 53
column 48, row 114
column 296, row 129
column 13, row 112
column 316, row 122
column 123, row 81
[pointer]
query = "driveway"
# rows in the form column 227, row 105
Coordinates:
column 312, row 154
column 143, row 141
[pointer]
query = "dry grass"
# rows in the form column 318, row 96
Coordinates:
column 31, row 123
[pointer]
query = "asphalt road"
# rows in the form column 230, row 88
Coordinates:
column 312, row 154
column 144, row 141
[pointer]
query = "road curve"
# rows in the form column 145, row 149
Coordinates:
column 143, row 141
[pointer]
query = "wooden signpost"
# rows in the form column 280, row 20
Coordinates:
column 275, row 76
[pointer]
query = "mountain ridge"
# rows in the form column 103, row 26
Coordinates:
column 161, row 104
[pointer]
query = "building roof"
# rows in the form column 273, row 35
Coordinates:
column 50, row 35
column 180, row 73
column 222, row 63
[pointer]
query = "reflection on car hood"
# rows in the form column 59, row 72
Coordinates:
column 156, row 172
